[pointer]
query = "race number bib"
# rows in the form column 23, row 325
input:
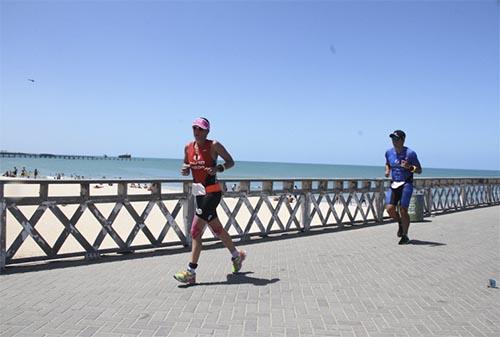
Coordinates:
column 198, row 189
column 397, row 184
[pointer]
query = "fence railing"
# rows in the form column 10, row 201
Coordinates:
column 49, row 219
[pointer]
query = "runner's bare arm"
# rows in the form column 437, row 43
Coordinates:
column 185, row 165
column 220, row 150
column 387, row 169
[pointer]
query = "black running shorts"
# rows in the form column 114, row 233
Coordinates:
column 206, row 205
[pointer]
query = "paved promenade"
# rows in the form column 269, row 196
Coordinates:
column 350, row 283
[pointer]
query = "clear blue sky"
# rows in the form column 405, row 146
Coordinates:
column 310, row 82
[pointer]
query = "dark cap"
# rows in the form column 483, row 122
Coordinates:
column 398, row 134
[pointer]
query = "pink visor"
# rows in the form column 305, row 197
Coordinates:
column 201, row 123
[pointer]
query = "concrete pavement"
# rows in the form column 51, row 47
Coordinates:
column 350, row 283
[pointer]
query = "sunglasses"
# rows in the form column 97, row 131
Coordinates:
column 198, row 128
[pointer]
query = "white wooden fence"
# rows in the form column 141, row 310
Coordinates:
column 53, row 219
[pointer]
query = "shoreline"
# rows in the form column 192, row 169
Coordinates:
column 154, row 169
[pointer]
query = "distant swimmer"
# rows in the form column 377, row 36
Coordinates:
column 31, row 80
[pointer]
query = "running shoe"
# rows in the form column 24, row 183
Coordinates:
column 238, row 261
column 404, row 240
column 185, row 277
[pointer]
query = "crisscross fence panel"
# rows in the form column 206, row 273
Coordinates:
column 455, row 194
column 52, row 219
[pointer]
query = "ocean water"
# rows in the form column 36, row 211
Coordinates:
column 169, row 168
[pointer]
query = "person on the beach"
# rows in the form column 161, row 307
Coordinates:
column 200, row 157
column 401, row 163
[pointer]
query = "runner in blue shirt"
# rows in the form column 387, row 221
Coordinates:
column 400, row 163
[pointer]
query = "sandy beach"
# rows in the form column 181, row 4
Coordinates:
column 50, row 227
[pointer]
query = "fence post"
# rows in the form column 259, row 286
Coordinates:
column 379, row 200
column 428, row 189
column 476, row 197
column 245, row 189
column 84, row 191
column 495, row 190
column 489, row 188
column 3, row 228
column 188, row 210
column 123, row 190
column 44, row 191
column 305, row 207
column 463, row 194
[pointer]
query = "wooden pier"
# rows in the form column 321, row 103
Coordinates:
column 5, row 154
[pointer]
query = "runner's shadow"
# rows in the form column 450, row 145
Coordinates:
column 426, row 243
column 238, row 278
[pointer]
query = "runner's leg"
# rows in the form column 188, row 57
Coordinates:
column 405, row 220
column 222, row 234
column 196, row 234
column 405, row 203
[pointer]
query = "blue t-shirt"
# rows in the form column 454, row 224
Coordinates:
column 399, row 173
